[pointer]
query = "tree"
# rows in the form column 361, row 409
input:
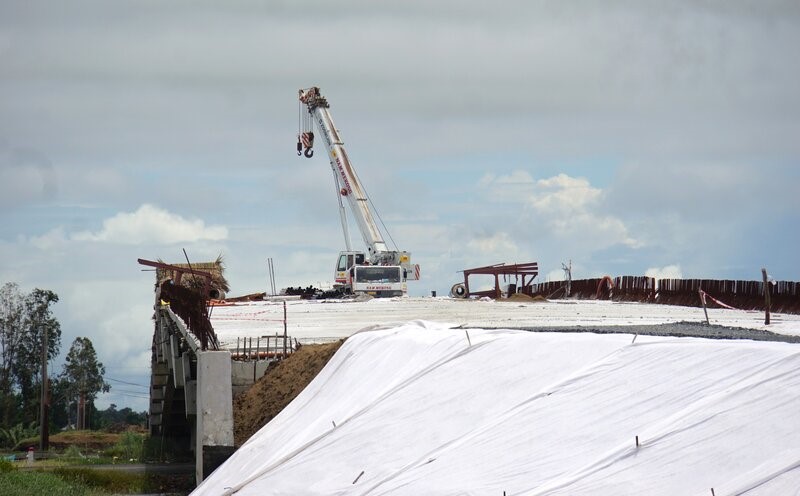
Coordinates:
column 11, row 316
column 115, row 420
column 37, row 320
column 85, row 375
column 24, row 319
column 62, row 402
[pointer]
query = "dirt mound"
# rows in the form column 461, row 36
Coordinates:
column 524, row 297
column 94, row 440
column 277, row 388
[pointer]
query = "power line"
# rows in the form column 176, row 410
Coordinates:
column 139, row 396
column 128, row 391
column 126, row 382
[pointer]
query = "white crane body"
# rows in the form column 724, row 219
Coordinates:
column 380, row 271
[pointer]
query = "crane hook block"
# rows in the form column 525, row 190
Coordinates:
column 299, row 147
column 307, row 139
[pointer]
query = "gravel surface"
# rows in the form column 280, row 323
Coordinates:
column 676, row 329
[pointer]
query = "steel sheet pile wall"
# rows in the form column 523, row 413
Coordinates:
column 634, row 288
column 744, row 295
column 581, row 289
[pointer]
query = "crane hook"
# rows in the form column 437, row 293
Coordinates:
column 308, row 142
column 299, row 146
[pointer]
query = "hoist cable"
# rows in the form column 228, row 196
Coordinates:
column 377, row 214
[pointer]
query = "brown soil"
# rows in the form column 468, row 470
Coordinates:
column 277, row 388
column 95, row 440
column 524, row 297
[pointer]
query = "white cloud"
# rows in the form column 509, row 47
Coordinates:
column 49, row 240
column 515, row 177
column 667, row 272
column 496, row 245
column 152, row 225
column 568, row 208
column 563, row 194
column 572, row 208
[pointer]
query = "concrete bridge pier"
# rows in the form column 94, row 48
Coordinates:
column 214, row 421
column 191, row 405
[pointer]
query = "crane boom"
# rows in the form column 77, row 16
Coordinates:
column 351, row 189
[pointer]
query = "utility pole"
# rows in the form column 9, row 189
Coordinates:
column 44, row 434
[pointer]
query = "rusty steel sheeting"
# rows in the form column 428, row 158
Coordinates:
column 177, row 273
column 744, row 295
column 523, row 271
column 186, row 303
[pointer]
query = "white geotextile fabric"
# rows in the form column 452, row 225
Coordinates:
column 419, row 409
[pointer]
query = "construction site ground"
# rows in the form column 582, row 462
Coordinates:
column 278, row 387
column 327, row 319
column 310, row 320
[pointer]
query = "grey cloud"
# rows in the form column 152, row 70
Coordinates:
column 699, row 191
column 26, row 176
column 709, row 78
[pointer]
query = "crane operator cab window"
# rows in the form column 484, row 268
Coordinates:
column 347, row 260
column 343, row 265
column 377, row 274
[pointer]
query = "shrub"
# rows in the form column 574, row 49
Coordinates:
column 6, row 466
column 11, row 437
column 129, row 447
column 107, row 480
column 20, row 483
column 73, row 453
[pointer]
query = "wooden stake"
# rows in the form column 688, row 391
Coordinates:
column 637, row 441
column 468, row 339
column 703, row 301
column 766, row 296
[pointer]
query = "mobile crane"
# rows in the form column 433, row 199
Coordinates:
column 380, row 271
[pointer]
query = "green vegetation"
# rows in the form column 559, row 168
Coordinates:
column 11, row 437
column 27, row 325
column 6, row 466
column 129, row 448
column 84, row 481
column 78, row 482
column 25, row 320
column 18, row 483
column 113, row 420
column 104, row 481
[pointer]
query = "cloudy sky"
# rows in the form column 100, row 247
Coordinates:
column 629, row 137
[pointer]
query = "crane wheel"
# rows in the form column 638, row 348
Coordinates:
column 458, row 291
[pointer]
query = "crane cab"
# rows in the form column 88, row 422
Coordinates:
column 355, row 275
column 347, row 259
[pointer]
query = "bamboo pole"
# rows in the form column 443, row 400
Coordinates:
column 766, row 295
